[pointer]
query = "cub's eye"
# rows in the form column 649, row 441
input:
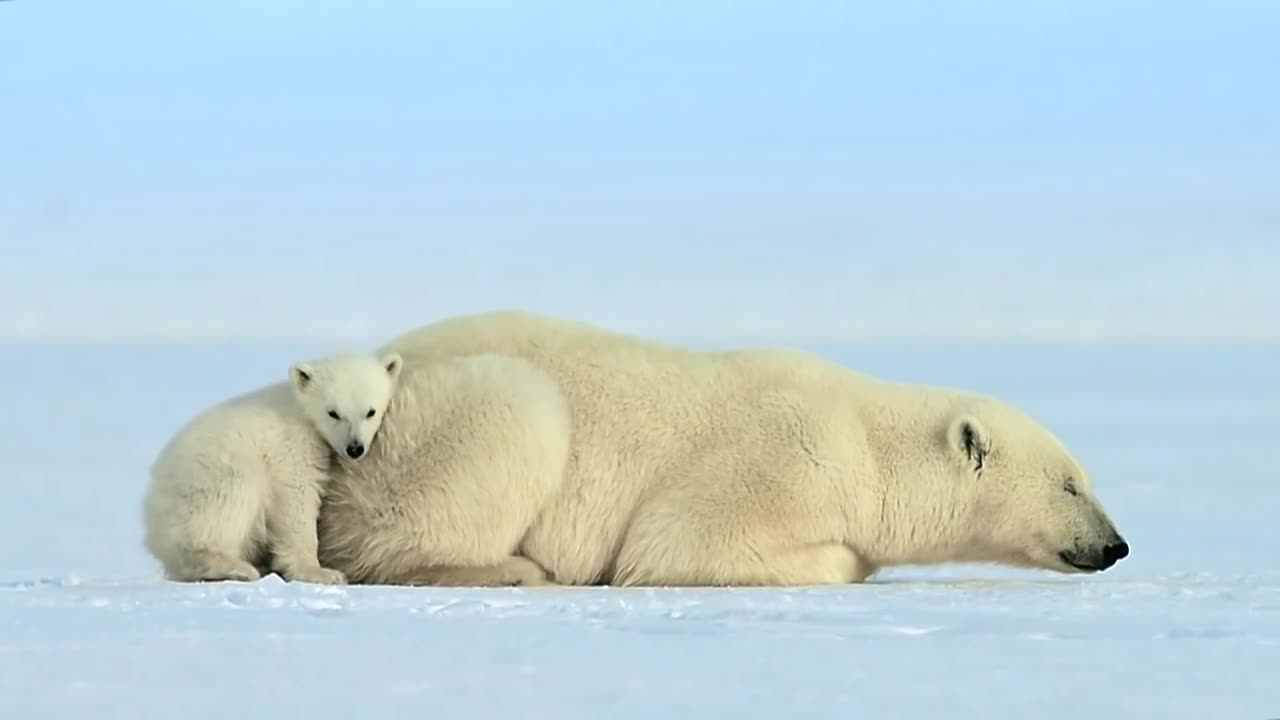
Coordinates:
column 334, row 414
column 371, row 413
column 1070, row 488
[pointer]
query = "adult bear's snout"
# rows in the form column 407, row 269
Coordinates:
column 1114, row 552
column 1097, row 558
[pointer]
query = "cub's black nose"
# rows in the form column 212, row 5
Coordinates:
column 355, row 450
column 1114, row 553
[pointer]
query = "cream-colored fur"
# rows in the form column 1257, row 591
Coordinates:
column 238, row 488
column 754, row 467
column 471, row 451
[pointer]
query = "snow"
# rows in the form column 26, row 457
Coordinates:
column 1178, row 442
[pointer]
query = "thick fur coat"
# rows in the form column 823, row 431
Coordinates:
column 598, row 457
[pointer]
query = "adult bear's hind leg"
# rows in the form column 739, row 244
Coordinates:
column 514, row 571
column 680, row 547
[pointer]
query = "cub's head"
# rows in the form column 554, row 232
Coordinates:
column 345, row 396
column 1032, row 501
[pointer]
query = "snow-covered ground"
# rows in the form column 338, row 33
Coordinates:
column 1180, row 444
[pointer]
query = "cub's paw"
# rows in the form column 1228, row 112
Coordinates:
column 239, row 573
column 318, row 575
column 209, row 566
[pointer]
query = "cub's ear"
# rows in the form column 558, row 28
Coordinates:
column 300, row 375
column 969, row 438
column 392, row 363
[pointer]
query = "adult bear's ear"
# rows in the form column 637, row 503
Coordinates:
column 970, row 440
column 392, row 363
column 300, row 375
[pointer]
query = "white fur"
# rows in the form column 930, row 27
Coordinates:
column 755, row 467
column 471, row 450
column 238, row 488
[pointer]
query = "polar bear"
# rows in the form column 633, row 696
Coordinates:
column 745, row 467
column 238, row 488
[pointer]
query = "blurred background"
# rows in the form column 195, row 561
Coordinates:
column 714, row 172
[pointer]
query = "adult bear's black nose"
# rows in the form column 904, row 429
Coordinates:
column 1114, row 553
column 355, row 450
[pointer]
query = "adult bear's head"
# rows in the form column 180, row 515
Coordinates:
column 1031, row 500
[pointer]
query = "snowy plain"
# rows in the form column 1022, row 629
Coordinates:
column 1180, row 443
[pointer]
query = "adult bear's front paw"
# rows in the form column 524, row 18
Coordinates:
column 520, row 571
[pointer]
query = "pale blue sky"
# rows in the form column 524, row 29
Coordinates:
column 810, row 171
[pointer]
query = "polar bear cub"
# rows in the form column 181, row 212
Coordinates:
column 238, row 488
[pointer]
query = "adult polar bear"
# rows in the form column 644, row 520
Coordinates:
column 750, row 467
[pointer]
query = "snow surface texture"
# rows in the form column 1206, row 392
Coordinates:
column 1179, row 443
